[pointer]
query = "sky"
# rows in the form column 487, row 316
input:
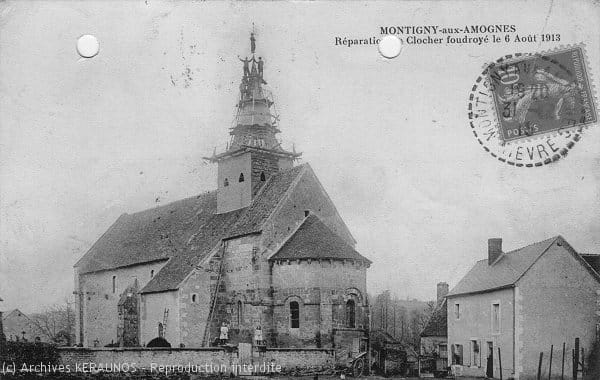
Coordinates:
column 84, row 140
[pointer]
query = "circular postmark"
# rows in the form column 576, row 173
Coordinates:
column 529, row 110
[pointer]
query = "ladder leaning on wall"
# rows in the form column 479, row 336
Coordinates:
column 213, row 304
column 164, row 324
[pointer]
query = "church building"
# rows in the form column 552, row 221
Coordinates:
column 266, row 248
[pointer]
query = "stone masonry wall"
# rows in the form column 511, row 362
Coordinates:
column 153, row 306
column 321, row 288
column 558, row 305
column 195, row 302
column 216, row 358
column 308, row 195
column 266, row 164
column 100, row 311
column 244, row 299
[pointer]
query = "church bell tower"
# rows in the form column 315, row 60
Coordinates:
column 253, row 153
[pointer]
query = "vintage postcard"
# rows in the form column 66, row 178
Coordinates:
column 311, row 189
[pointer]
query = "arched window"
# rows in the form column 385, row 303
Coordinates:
column 193, row 298
column 262, row 176
column 350, row 314
column 152, row 273
column 240, row 315
column 294, row 315
column 241, row 177
column 160, row 330
column 226, row 182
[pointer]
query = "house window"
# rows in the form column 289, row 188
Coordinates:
column 457, row 311
column 152, row 273
column 241, row 177
column 496, row 318
column 262, row 177
column 160, row 330
column 443, row 350
column 350, row 314
column 226, row 182
column 114, row 284
column 240, row 315
column 294, row 315
column 475, row 357
column 457, row 354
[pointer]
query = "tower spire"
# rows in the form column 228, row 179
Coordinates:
column 254, row 153
column 255, row 125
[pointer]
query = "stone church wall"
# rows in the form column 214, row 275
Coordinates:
column 236, row 194
column 306, row 196
column 100, row 314
column 153, row 306
column 321, row 288
column 246, row 289
column 195, row 302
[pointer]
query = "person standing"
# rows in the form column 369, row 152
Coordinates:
column 258, row 336
column 224, row 337
column 246, row 65
column 261, row 65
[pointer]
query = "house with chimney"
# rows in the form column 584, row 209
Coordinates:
column 514, row 305
column 433, row 350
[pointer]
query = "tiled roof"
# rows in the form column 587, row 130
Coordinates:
column 182, row 232
column 504, row 272
column 314, row 240
column 438, row 323
column 155, row 234
column 266, row 199
column 207, row 237
column 593, row 260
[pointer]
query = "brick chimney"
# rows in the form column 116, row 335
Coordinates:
column 494, row 249
column 442, row 291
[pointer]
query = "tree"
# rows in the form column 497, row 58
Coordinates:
column 56, row 323
column 403, row 319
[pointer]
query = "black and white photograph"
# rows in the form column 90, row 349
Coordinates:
column 299, row 189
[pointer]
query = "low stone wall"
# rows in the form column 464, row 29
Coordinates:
column 196, row 360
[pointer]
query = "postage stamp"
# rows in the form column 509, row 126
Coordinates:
column 541, row 94
column 529, row 110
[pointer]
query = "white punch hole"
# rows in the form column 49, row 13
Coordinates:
column 87, row 46
column 390, row 46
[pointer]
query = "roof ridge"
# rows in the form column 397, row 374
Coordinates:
column 521, row 248
column 112, row 226
column 552, row 240
column 342, row 244
column 287, row 191
column 537, row 242
column 197, row 196
column 328, row 197
column 503, row 276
